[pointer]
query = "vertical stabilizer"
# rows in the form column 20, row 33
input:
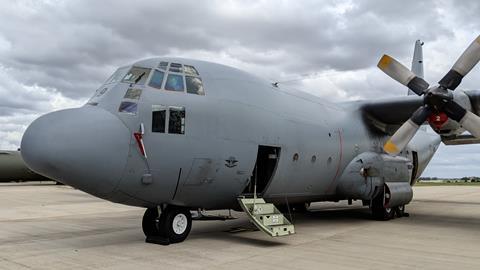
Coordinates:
column 417, row 62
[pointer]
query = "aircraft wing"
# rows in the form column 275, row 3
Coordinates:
column 387, row 115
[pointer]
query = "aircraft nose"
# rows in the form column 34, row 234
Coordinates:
column 86, row 148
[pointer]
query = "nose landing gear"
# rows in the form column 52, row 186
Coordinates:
column 168, row 226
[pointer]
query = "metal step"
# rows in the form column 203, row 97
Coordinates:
column 272, row 219
column 266, row 217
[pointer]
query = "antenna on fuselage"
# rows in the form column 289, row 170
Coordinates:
column 306, row 76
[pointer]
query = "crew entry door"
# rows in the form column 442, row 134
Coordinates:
column 264, row 170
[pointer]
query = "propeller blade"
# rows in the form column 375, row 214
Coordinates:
column 403, row 75
column 469, row 58
column 406, row 132
column 467, row 119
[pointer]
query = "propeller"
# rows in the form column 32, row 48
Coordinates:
column 437, row 99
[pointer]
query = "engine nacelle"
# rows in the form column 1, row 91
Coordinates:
column 370, row 173
column 448, row 127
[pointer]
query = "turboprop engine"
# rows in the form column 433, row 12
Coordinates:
column 370, row 174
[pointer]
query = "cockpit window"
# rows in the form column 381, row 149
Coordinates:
column 157, row 79
column 133, row 93
column 174, row 83
column 190, row 70
column 163, row 66
column 116, row 76
column 128, row 107
column 175, row 67
column 194, row 85
column 179, row 78
column 137, row 75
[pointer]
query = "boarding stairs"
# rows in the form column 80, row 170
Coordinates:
column 266, row 217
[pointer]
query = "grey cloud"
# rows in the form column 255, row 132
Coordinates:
column 73, row 45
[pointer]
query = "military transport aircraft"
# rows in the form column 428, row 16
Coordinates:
column 174, row 135
column 13, row 169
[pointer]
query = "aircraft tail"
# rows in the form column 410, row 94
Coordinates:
column 417, row 62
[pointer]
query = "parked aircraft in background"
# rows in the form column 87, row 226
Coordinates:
column 13, row 169
column 174, row 135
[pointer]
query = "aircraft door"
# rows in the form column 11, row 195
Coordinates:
column 264, row 170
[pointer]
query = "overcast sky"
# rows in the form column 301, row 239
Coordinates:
column 54, row 54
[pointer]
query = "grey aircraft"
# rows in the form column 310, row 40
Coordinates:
column 174, row 135
column 13, row 169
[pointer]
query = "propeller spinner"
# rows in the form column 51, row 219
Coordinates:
column 437, row 99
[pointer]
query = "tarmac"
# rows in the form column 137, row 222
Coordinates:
column 57, row 227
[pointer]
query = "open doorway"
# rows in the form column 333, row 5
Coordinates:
column 415, row 168
column 264, row 170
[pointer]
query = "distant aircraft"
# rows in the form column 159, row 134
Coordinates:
column 13, row 169
column 174, row 135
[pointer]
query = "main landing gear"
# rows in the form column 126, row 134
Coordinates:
column 380, row 212
column 166, row 226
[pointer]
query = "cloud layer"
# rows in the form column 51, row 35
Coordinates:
column 53, row 54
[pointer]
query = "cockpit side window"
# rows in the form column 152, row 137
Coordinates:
column 137, row 75
column 194, row 85
column 157, row 79
column 190, row 70
column 116, row 76
column 174, row 83
column 128, row 107
column 176, row 121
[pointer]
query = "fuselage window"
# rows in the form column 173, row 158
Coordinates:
column 176, row 121
column 128, row 107
column 194, row 85
column 174, row 83
column 157, row 79
column 137, row 75
column 159, row 115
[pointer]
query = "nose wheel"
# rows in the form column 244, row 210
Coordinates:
column 171, row 225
